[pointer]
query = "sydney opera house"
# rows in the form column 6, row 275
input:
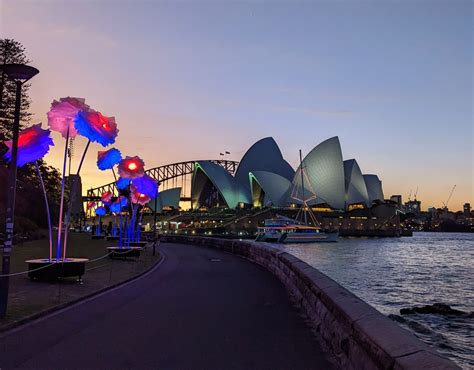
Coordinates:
column 265, row 179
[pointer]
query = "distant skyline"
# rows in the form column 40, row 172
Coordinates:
column 185, row 81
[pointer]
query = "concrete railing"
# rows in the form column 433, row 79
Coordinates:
column 358, row 336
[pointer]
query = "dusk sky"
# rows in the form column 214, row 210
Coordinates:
column 187, row 80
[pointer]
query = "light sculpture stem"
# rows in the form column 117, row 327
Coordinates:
column 50, row 229
column 131, row 228
column 61, row 204
column 120, row 203
column 71, row 197
column 139, row 227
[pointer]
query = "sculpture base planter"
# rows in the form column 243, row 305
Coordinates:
column 44, row 269
column 96, row 237
column 112, row 237
column 124, row 252
column 134, row 243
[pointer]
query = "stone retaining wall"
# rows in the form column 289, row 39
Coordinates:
column 358, row 335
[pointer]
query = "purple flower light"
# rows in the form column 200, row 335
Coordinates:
column 33, row 144
column 146, row 185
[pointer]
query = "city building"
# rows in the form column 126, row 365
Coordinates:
column 413, row 206
column 467, row 209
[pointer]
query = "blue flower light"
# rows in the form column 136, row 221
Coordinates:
column 107, row 159
column 100, row 211
column 122, row 183
column 120, row 203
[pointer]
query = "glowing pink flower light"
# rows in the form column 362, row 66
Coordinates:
column 62, row 114
column 131, row 167
column 96, row 127
column 33, row 144
column 139, row 198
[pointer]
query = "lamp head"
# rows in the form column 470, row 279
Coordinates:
column 19, row 72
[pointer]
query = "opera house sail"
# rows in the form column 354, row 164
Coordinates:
column 265, row 179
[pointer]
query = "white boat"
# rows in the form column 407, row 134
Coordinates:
column 284, row 230
column 287, row 230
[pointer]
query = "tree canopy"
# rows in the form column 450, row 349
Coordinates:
column 30, row 211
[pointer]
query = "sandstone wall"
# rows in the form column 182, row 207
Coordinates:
column 358, row 335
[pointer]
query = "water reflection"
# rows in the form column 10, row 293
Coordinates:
column 393, row 273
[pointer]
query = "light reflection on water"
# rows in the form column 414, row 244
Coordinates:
column 393, row 273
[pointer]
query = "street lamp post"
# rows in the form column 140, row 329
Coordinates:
column 20, row 73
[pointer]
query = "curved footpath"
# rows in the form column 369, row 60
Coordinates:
column 201, row 309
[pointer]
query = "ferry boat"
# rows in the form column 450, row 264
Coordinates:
column 287, row 230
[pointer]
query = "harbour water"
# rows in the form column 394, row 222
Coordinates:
column 395, row 273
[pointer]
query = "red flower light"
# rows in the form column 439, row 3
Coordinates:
column 131, row 167
column 107, row 197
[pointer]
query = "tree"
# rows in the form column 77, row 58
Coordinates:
column 30, row 208
column 12, row 51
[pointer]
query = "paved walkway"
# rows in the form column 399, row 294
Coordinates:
column 201, row 309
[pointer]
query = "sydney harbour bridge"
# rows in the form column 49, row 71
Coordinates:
column 175, row 175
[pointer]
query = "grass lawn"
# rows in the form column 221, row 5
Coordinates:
column 29, row 297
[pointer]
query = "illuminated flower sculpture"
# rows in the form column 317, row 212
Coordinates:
column 99, row 211
column 131, row 167
column 145, row 185
column 123, row 183
column 107, row 159
column 62, row 114
column 106, row 197
column 96, row 127
column 72, row 117
column 120, row 203
column 33, row 144
column 140, row 198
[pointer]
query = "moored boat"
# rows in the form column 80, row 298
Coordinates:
column 285, row 230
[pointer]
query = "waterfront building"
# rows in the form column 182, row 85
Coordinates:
column 467, row 209
column 396, row 199
column 265, row 179
column 413, row 206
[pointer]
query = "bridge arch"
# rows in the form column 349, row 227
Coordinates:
column 170, row 176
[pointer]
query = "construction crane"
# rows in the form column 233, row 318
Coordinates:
column 416, row 193
column 450, row 195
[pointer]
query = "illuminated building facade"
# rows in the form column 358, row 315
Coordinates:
column 265, row 179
